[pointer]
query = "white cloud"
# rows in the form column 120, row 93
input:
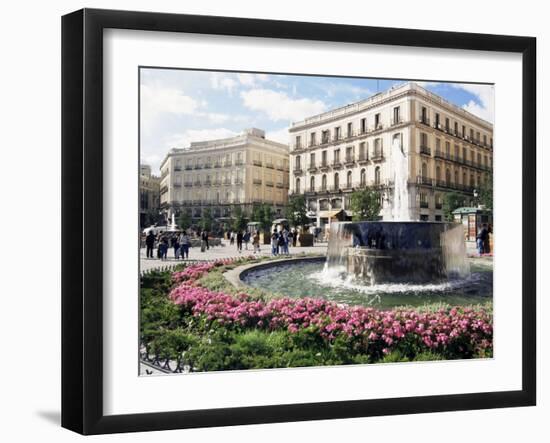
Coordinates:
column 333, row 89
column 278, row 135
column 156, row 100
column 279, row 106
column 224, row 82
column 252, row 80
column 485, row 94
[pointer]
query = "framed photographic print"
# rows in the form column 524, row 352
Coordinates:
column 269, row 221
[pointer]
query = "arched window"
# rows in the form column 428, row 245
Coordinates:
column 424, row 170
column 363, row 178
column 448, row 176
column 336, row 181
column 312, row 183
column 324, row 182
column 297, row 185
column 298, row 162
column 348, row 180
column 377, row 175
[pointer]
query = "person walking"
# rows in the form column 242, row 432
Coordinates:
column 150, row 243
column 185, row 241
column 240, row 241
column 246, row 240
column 163, row 248
column 256, row 242
column 481, row 238
column 274, row 243
column 175, row 245
column 204, row 236
column 232, row 238
column 294, row 237
column 284, row 244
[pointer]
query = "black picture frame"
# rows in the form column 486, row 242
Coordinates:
column 82, row 190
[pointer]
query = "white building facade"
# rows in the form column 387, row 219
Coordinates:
column 220, row 174
column 406, row 134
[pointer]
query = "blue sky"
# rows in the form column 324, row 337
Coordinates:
column 178, row 106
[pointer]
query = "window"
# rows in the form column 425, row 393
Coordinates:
column 297, row 186
column 312, row 184
column 424, row 118
column 448, row 176
column 437, row 120
column 464, row 153
column 447, row 124
column 312, row 141
column 456, row 176
column 438, row 218
column 477, row 137
column 438, row 173
column 337, row 156
column 438, row 145
column 298, row 141
column 325, row 136
column 377, row 121
column 363, row 178
column 448, row 149
column 472, row 180
column 424, row 140
column 456, row 128
column 424, row 200
column 378, row 152
column 424, row 171
column 324, row 158
column 348, row 180
column 312, row 159
column 471, row 134
column 397, row 141
column 363, row 125
column 484, row 139
column 396, row 115
column 362, row 154
column 349, row 154
column 324, row 182
column 377, row 175
column 479, row 158
column 337, row 133
column 336, row 181
column 350, row 129
column 298, row 162
column 457, row 152
column 464, row 181
column 463, row 131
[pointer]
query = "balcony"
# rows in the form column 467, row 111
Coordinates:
column 312, row 168
column 438, row 205
column 378, row 127
column 216, row 182
column 269, row 183
column 208, row 183
column 198, row 166
column 226, row 181
column 325, row 141
column 238, row 181
column 177, row 168
column 350, row 161
column 239, row 162
column 444, row 184
column 425, row 150
column 188, row 167
column 425, row 181
column 257, row 181
column 424, row 204
column 396, row 121
column 377, row 156
column 197, row 183
column 298, row 170
column 363, row 159
column 336, row 164
column 424, row 121
column 279, row 185
column 257, row 162
column 298, row 148
column 218, row 165
column 228, row 163
column 324, row 166
column 188, row 184
column 208, row 166
column 177, row 185
column 269, row 165
column 310, row 191
column 279, row 167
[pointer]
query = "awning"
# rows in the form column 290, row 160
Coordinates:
column 330, row 214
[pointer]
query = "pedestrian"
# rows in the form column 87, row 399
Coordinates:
column 274, row 243
column 294, row 237
column 284, row 243
column 240, row 241
column 204, row 237
column 175, row 245
column 150, row 243
column 246, row 239
column 481, row 238
column 163, row 247
column 232, row 238
column 487, row 241
column 184, row 245
column 256, row 242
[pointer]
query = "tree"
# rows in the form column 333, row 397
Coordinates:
column 365, row 204
column 452, row 201
column 296, row 211
column 206, row 220
column 184, row 219
column 485, row 194
column 263, row 214
column 239, row 220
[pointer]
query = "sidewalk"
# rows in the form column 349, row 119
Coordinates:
column 221, row 252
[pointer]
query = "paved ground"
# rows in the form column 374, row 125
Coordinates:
column 218, row 252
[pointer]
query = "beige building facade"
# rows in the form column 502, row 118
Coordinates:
column 406, row 135
column 149, row 195
column 220, row 174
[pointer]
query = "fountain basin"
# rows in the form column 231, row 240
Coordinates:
column 398, row 252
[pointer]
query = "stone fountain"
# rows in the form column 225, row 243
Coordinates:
column 398, row 252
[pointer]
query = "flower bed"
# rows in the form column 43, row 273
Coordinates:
column 317, row 331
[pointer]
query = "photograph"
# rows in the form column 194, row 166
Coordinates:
column 290, row 220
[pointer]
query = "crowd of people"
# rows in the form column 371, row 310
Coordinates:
column 483, row 239
column 180, row 242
